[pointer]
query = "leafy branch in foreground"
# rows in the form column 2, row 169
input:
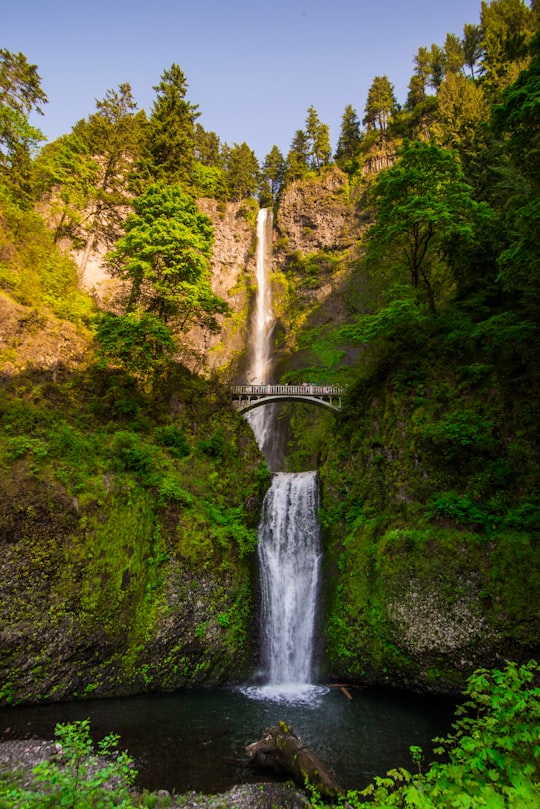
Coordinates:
column 492, row 759
column 78, row 777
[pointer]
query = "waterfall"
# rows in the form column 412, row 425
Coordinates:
column 289, row 555
column 261, row 419
column 289, row 548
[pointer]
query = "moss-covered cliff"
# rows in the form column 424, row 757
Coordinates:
column 127, row 528
column 431, row 519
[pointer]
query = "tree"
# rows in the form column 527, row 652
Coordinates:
column 20, row 94
column 66, row 175
column 112, row 135
column 297, row 162
column 461, row 109
column 472, row 46
column 207, row 147
column 318, row 138
column 380, row 105
column 517, row 118
column 169, row 143
column 273, row 170
column 454, row 56
column 507, row 27
column 242, row 172
column 164, row 257
column 423, row 206
column 350, row 138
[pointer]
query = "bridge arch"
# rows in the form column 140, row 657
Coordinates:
column 248, row 397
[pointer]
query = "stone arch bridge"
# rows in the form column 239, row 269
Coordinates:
column 247, row 397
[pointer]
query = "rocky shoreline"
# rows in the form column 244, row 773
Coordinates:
column 21, row 755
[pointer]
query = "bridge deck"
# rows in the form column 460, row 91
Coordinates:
column 250, row 396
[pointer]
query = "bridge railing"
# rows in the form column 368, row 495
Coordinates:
column 306, row 389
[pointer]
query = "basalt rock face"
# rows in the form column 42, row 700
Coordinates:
column 418, row 593
column 316, row 214
column 318, row 230
column 233, row 271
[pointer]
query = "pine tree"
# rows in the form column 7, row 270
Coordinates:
column 273, row 171
column 169, row 145
column 349, row 139
column 380, row 105
column 242, row 172
column 297, row 163
column 318, row 138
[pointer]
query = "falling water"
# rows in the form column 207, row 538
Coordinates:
column 289, row 547
column 289, row 555
column 261, row 419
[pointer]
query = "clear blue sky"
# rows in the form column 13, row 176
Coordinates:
column 252, row 67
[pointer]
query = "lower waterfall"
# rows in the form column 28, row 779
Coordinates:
column 289, row 557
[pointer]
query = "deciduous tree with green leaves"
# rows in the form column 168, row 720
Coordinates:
column 422, row 207
column 164, row 257
column 20, row 94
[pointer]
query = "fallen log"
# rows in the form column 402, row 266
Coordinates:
column 283, row 752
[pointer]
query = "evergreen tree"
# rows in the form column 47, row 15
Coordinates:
column 380, row 105
column 461, row 110
column 297, row 163
column 454, row 55
column 207, row 147
column 242, row 172
column 349, row 139
column 472, row 46
column 169, row 143
column 318, row 138
column 507, row 27
column 273, row 171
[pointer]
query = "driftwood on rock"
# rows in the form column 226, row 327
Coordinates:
column 283, row 752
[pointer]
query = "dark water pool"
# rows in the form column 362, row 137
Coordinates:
column 195, row 739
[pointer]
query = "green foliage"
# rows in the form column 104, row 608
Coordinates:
column 492, row 759
column 79, row 776
column 139, row 344
column 174, row 439
column 423, row 207
column 168, row 148
column 33, row 270
column 165, row 257
column 242, row 172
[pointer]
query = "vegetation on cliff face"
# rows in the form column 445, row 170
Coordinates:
column 128, row 524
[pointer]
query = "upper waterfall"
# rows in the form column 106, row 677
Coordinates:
column 259, row 370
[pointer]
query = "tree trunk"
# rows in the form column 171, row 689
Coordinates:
column 283, row 752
